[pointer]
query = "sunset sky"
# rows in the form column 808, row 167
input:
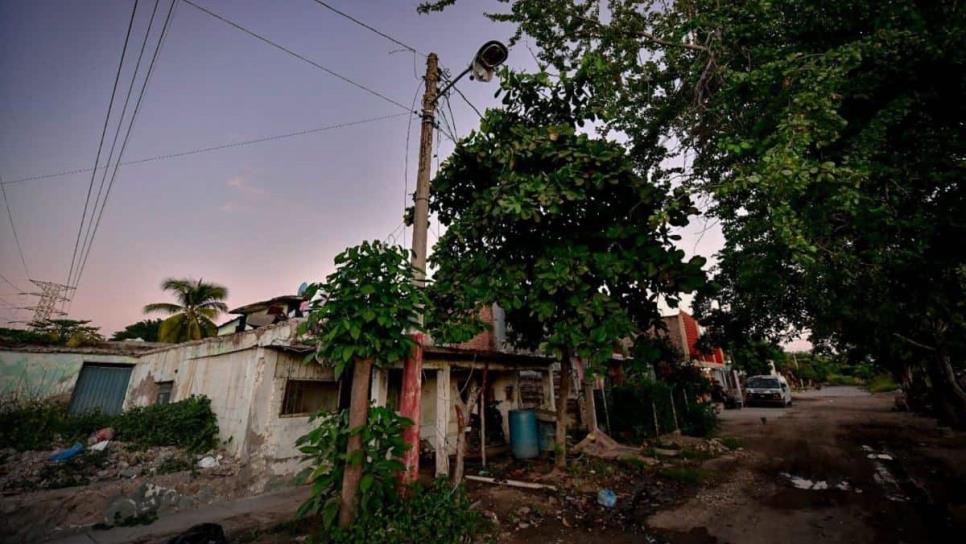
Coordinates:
column 259, row 219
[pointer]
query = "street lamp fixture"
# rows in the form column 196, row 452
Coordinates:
column 485, row 62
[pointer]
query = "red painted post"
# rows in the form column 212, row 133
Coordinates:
column 409, row 407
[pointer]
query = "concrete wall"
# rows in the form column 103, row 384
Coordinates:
column 244, row 375
column 47, row 373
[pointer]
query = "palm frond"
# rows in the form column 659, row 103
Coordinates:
column 172, row 329
column 165, row 307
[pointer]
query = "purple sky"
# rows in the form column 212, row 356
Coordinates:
column 259, row 219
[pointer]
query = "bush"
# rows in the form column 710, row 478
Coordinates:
column 43, row 424
column 881, row 384
column 840, row 379
column 40, row 425
column 632, row 408
column 441, row 514
column 189, row 424
column 699, row 419
column 325, row 446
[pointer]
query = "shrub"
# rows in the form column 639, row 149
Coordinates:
column 441, row 514
column 41, row 424
column 699, row 419
column 840, row 379
column 189, row 424
column 881, row 384
column 325, row 446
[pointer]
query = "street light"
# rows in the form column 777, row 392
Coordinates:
column 485, row 62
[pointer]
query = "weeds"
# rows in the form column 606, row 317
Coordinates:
column 881, row 383
column 732, row 442
column 687, row 474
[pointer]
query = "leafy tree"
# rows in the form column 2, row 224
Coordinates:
column 67, row 332
column 829, row 135
column 558, row 228
column 199, row 303
column 146, row 329
column 361, row 319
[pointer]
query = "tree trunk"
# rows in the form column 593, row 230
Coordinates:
column 462, row 420
column 358, row 414
column 950, row 397
column 560, row 446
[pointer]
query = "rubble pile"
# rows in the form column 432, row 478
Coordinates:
column 23, row 472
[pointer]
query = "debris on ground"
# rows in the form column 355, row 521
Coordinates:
column 28, row 471
column 207, row 462
column 598, row 444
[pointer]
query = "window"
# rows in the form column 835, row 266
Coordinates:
column 164, row 392
column 304, row 397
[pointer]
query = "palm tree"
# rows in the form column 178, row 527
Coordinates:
column 192, row 318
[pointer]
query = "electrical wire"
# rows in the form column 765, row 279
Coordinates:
column 409, row 130
column 97, row 158
column 117, row 133
column 296, row 55
column 467, row 100
column 11, row 284
column 13, row 228
column 127, row 135
column 370, row 28
column 215, row 147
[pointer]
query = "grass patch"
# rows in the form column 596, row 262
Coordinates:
column 841, row 379
column 881, row 383
column 687, row 475
column 732, row 442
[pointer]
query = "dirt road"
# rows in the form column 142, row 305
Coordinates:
column 837, row 466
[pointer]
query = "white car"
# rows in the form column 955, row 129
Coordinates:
column 767, row 389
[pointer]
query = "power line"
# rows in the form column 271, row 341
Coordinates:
column 127, row 136
column 242, row 143
column 13, row 227
column 370, row 28
column 117, row 133
column 296, row 55
column 11, row 284
column 97, row 158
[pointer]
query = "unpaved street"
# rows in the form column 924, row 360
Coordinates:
column 837, row 466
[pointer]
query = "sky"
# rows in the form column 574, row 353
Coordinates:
column 259, row 219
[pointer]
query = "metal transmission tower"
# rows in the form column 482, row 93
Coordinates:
column 50, row 294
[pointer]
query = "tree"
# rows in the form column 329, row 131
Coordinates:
column 67, row 332
column 558, row 228
column 199, row 303
column 146, row 329
column 361, row 319
column 828, row 135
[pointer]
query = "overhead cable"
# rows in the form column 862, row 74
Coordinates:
column 297, row 55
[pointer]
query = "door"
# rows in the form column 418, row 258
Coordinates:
column 100, row 387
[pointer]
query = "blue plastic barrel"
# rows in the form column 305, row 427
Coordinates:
column 524, row 440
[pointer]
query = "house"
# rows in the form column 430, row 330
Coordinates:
column 259, row 314
column 263, row 392
column 683, row 331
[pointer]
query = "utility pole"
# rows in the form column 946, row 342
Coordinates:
column 412, row 381
column 491, row 55
column 421, row 197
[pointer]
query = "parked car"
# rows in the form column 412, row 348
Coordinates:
column 767, row 389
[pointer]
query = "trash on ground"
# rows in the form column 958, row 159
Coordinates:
column 207, row 462
column 606, row 498
column 107, row 433
column 65, row 454
column 100, row 446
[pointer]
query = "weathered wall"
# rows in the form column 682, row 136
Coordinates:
column 48, row 373
column 244, row 375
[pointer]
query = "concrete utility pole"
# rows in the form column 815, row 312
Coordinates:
column 412, row 380
column 421, row 197
column 490, row 56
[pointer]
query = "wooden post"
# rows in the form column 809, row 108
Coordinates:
column 443, row 408
column 548, row 390
column 674, row 411
column 380, row 386
column 560, row 437
column 590, row 404
column 482, row 408
column 657, row 428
